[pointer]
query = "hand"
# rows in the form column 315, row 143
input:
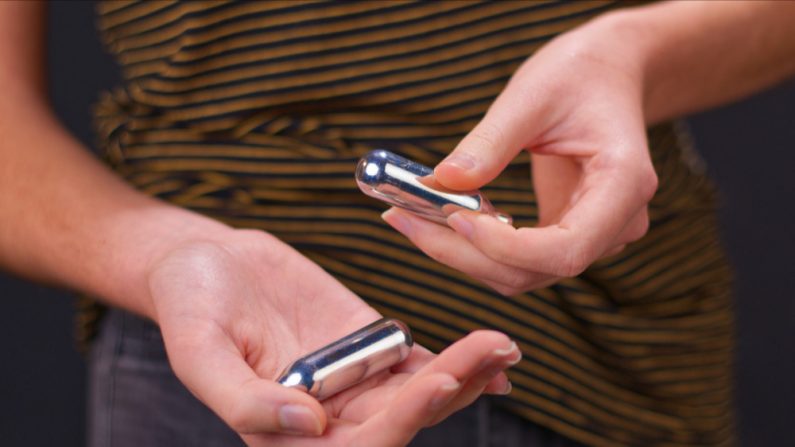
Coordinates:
column 234, row 313
column 576, row 105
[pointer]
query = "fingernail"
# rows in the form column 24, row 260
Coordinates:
column 397, row 222
column 461, row 224
column 511, row 350
column 508, row 388
column 444, row 395
column 299, row 419
column 461, row 161
column 505, row 351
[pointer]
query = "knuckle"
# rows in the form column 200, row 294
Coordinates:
column 648, row 184
column 239, row 420
column 617, row 250
column 516, row 283
column 244, row 411
column 574, row 262
column 639, row 229
column 616, row 160
column 487, row 134
column 496, row 250
column 438, row 254
column 640, row 170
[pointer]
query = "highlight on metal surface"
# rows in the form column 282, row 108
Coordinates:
column 350, row 360
column 403, row 183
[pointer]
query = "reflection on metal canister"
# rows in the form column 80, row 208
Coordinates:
column 409, row 185
column 350, row 360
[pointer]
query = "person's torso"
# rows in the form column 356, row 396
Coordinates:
column 255, row 114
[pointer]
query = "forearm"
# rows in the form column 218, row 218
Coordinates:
column 689, row 56
column 698, row 55
column 64, row 218
column 67, row 220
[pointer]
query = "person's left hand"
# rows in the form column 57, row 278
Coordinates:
column 577, row 107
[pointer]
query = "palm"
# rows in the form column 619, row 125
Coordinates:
column 252, row 297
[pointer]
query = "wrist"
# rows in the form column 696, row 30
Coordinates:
column 653, row 45
column 612, row 50
column 639, row 43
column 135, row 243
column 697, row 55
column 624, row 40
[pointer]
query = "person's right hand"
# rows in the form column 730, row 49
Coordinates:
column 235, row 311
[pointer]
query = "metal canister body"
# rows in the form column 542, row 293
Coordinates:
column 406, row 184
column 350, row 360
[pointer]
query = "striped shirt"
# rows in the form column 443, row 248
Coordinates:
column 256, row 113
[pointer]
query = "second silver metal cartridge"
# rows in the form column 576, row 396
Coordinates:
column 350, row 360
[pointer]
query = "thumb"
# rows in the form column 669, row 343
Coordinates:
column 211, row 366
column 488, row 148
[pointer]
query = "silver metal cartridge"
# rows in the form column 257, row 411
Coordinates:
column 406, row 184
column 350, row 360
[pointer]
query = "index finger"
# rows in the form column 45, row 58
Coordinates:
column 607, row 203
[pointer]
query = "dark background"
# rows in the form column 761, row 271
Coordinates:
column 749, row 148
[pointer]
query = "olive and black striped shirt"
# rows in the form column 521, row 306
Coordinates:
column 255, row 114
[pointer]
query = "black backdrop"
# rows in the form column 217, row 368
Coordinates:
column 750, row 150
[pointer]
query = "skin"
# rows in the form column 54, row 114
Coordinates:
column 580, row 106
column 234, row 306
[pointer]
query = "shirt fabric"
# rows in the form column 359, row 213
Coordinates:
column 256, row 113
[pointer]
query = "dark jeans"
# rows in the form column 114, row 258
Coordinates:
column 135, row 400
